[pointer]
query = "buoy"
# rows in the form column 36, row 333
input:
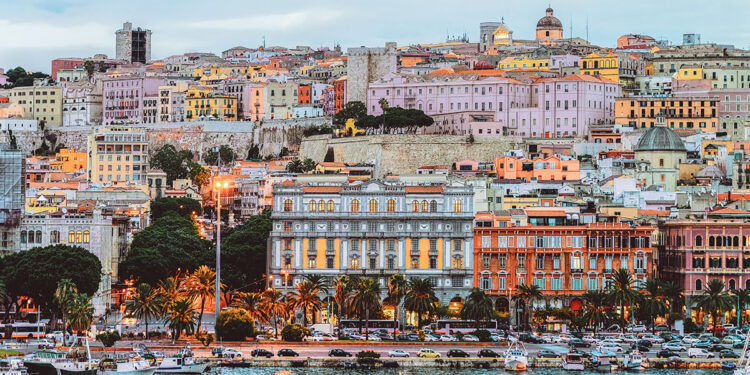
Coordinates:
column 692, row 365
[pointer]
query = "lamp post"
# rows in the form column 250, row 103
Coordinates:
column 739, row 309
column 219, row 185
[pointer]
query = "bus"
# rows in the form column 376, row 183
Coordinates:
column 24, row 330
column 389, row 326
column 446, row 326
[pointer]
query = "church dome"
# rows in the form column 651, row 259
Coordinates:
column 660, row 138
column 549, row 22
column 483, row 65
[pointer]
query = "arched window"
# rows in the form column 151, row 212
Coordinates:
column 415, row 206
column 288, row 205
column 322, row 206
column 330, row 206
column 79, row 236
column 458, row 206
column 71, row 236
column 38, row 236
column 727, row 241
column 711, row 241
column 433, row 206
column 355, row 206
column 23, row 236
column 424, row 206
column 54, row 236
column 698, row 241
column 31, row 236
column 313, row 206
column 373, row 205
column 699, row 284
column 732, row 285
column 736, row 241
column 86, row 236
column 391, row 206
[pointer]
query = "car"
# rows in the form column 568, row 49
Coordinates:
column 701, row 345
column 661, row 327
column 232, row 353
column 431, row 338
column 398, row 353
column 385, row 336
column 56, row 335
column 690, row 340
column 739, row 345
column 640, row 347
column 448, row 338
column 613, row 328
column 457, row 353
column 488, row 353
column 645, row 343
column 339, row 353
column 469, row 338
column 610, row 347
column 673, row 346
column 547, row 354
column 716, row 348
column 264, row 338
column 729, row 327
column 528, row 337
column 578, row 343
column 45, row 344
column 287, row 353
column 666, row 353
column 629, row 339
column 731, row 340
column 314, row 338
column 699, row 353
column 613, row 339
column 728, row 353
column 260, row 352
column 636, row 328
column 427, row 353
column 495, row 338
column 652, row 339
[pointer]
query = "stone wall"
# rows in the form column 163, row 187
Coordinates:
column 403, row 154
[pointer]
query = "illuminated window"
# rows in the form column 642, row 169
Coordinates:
column 79, row 237
column 288, row 205
column 424, row 206
column 54, row 236
column 287, row 226
column 330, row 206
column 391, row 205
column 458, row 206
column 71, row 236
column 373, row 205
column 313, row 206
column 415, row 206
column 355, row 206
column 322, row 206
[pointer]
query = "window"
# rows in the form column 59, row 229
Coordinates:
column 71, row 236
column 329, row 262
column 698, row 241
column 458, row 206
column 433, row 244
column 313, row 206
column 539, row 282
column 501, row 260
column 433, row 262
column 54, row 236
column 699, row 284
column 330, row 206
column 557, row 283
column 592, row 283
column 312, row 245
column 415, row 206
column 373, row 262
column 433, row 206
column 23, row 236
column 373, row 205
column 322, row 206
column 556, row 262
column 391, row 206
column 577, row 283
column 311, row 262
column 354, row 262
column 391, row 263
column 501, row 283
column 414, row 262
column 485, row 261
column 540, row 262
column 486, row 283
column 354, row 206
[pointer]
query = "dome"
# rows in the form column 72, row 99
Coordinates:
column 660, row 138
column 483, row 64
column 549, row 22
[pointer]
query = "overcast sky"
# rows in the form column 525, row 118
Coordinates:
column 33, row 32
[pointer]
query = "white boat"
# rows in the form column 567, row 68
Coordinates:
column 183, row 363
column 125, row 366
column 603, row 361
column 55, row 362
column 12, row 366
column 572, row 362
column 516, row 357
column 633, row 361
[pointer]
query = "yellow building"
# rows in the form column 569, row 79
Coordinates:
column 519, row 202
column 42, row 103
column 617, row 68
column 206, row 103
column 523, row 62
column 118, row 155
column 690, row 73
column 503, row 36
column 711, row 147
column 69, row 161
column 46, row 201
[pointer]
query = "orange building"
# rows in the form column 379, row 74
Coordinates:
column 69, row 161
column 304, row 94
column 552, row 168
column 563, row 257
column 680, row 113
column 339, row 90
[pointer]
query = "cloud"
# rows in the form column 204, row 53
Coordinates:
column 273, row 22
column 43, row 35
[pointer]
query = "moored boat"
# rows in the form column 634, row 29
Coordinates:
column 603, row 361
column 125, row 366
column 633, row 361
column 516, row 357
column 182, row 363
column 572, row 362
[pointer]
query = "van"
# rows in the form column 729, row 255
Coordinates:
column 699, row 353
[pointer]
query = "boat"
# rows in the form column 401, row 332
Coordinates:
column 728, row 366
column 743, row 364
column 125, row 366
column 182, row 363
column 572, row 362
column 56, row 362
column 516, row 357
column 633, row 361
column 603, row 361
column 12, row 366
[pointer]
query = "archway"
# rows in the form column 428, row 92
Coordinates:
column 455, row 305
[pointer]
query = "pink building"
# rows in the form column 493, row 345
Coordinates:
column 122, row 98
column 3, row 78
column 532, row 107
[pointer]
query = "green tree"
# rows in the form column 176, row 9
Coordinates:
column 198, row 174
column 294, row 333
column 184, row 207
column 169, row 291
column 620, row 290
column 146, row 304
column 365, row 299
column 652, row 301
column 246, row 246
column 234, row 324
column 397, row 287
column 274, row 305
column 596, row 312
column 253, row 153
column 294, row 166
column 103, row 66
column 108, row 338
column 252, row 303
column 674, row 294
column 181, row 318
column 228, row 156
column 383, row 103
column 528, row 293
column 88, row 66
column 420, row 298
column 714, row 300
column 64, row 294
column 342, row 291
column 744, row 297
column 306, row 298
column 478, row 307
column 202, row 285
column 354, row 110
column 174, row 163
column 81, row 312
column 308, row 165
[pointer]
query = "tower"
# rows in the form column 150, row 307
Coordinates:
column 133, row 45
column 549, row 27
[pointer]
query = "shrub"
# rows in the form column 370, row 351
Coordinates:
column 421, row 335
column 234, row 325
column 108, row 338
column 367, row 356
column 294, row 332
column 483, row 335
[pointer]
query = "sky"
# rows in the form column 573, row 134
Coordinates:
column 33, row 32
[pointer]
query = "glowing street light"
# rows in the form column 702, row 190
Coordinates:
column 219, row 186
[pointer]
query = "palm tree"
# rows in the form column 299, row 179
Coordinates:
column 342, row 289
column 64, row 293
column 253, row 304
column 366, row 298
column 202, row 285
column 621, row 291
column 597, row 310
column 81, row 312
column 715, row 300
column 478, row 307
column 528, row 293
column 673, row 292
column 420, row 298
column 383, row 102
column 170, row 290
column 743, row 296
column 181, row 318
column 652, row 301
column 146, row 304
column 306, row 298
column 274, row 305
column 397, row 287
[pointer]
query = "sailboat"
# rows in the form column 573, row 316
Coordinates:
column 516, row 357
column 743, row 364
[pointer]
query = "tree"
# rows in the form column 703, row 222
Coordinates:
column 674, row 294
column 234, row 324
column 294, row 166
column 202, row 285
column 528, row 293
column 596, row 311
column 169, row 291
column 652, row 302
column 284, row 152
column 365, row 299
column 478, row 307
column 64, row 293
column 274, row 305
column 252, row 303
column 19, row 77
column 743, row 296
column 228, row 156
column 181, row 318
column 146, row 304
column 306, row 297
column 88, row 66
column 13, row 140
column 420, row 298
column 108, row 338
column 342, row 291
column 174, row 163
column 253, row 153
column 715, row 301
column 246, row 247
column 383, row 103
column 397, row 286
column 183, row 206
column 198, row 174
column 81, row 312
column 354, row 110
column 103, row 66
column 308, row 165
column 621, row 291
column 294, row 333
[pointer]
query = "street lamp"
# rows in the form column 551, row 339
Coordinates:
column 219, row 185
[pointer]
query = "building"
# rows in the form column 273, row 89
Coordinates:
column 13, row 187
column 133, row 45
column 658, row 155
column 688, row 113
column 374, row 229
column 523, row 62
column 340, row 94
column 616, row 67
column 486, row 34
column 549, row 28
column 559, row 254
column 206, row 103
column 82, row 104
column 365, row 65
column 42, row 103
column 123, row 96
column 171, row 107
column 637, row 41
column 69, row 161
column 118, row 155
column 553, row 168
column 65, row 63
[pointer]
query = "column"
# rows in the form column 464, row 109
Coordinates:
column 344, row 253
column 400, row 253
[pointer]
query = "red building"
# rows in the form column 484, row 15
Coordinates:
column 68, row 63
column 304, row 95
column 339, row 89
column 556, row 252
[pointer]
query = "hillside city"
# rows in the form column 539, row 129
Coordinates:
column 511, row 179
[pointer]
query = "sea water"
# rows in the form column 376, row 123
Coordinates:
column 447, row 371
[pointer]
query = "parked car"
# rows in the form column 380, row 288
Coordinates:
column 398, row 353
column 287, row 353
column 457, row 353
column 313, row 338
column 661, row 327
column 488, row 353
column 547, row 354
column 699, row 353
column 690, row 340
column 339, row 353
column 674, row 346
column 469, row 338
column 652, row 339
column 431, row 338
column 716, row 348
column 636, row 328
column 448, row 338
column 731, row 340
column 701, row 345
column 610, row 347
column 427, row 353
column 578, row 343
column 231, row 353
column 728, row 353
column 645, row 343
column 613, row 328
column 45, row 344
column 666, row 353
column 260, row 352
column 640, row 347
column 528, row 337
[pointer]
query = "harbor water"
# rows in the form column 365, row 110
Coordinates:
column 447, row 371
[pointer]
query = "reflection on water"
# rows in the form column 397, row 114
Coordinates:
column 435, row 371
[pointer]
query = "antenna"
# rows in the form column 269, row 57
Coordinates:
column 587, row 28
column 571, row 27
